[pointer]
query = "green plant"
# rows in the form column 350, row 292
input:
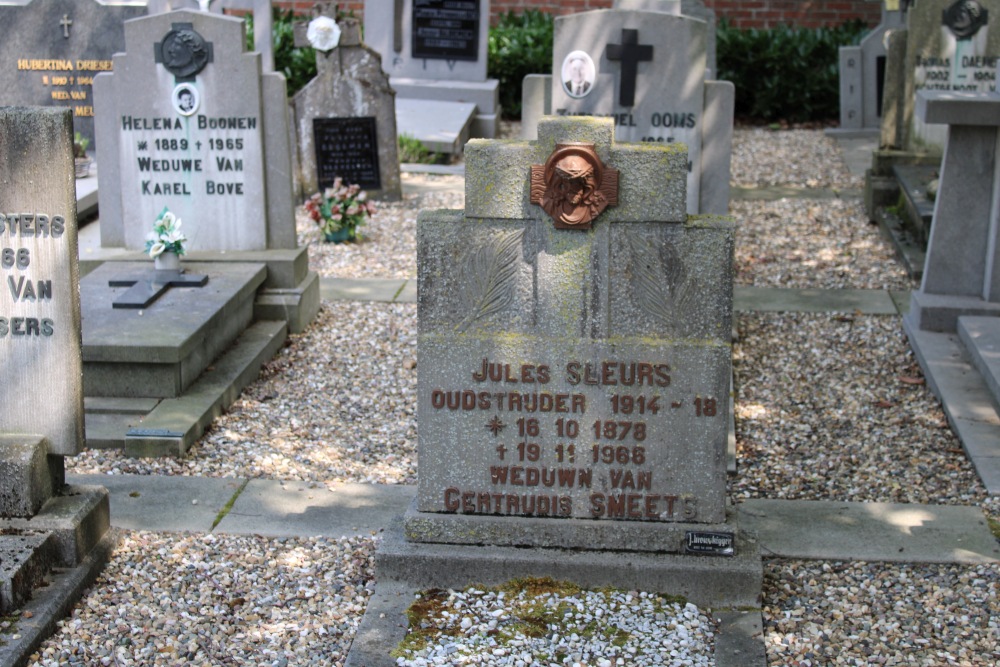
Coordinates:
column 166, row 235
column 339, row 208
column 80, row 144
column 412, row 150
column 519, row 44
column 297, row 63
column 785, row 73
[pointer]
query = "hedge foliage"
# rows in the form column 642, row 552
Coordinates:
column 784, row 73
column 519, row 45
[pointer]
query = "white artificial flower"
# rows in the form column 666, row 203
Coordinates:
column 323, row 33
column 156, row 250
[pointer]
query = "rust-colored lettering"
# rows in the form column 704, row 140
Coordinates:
column 451, row 499
column 645, row 374
column 513, row 504
column 589, row 375
column 579, row 403
column 561, row 402
column 531, row 476
column 543, row 505
column 565, row 505
column 573, row 372
column 662, row 377
column 483, row 503
column 468, row 502
column 633, row 506
column 515, row 476
column 608, row 373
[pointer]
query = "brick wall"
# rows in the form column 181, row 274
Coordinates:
column 741, row 13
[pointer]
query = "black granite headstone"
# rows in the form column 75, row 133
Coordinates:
column 52, row 49
column 348, row 148
column 446, row 29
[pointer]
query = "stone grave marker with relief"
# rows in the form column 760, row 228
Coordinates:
column 43, row 522
column 208, row 137
column 52, row 49
column 575, row 352
column 345, row 117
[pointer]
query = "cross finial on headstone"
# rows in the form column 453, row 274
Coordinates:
column 630, row 52
column 66, row 23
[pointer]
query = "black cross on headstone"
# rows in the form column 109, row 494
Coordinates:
column 150, row 286
column 66, row 23
column 630, row 52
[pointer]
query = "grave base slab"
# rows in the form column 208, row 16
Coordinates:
column 78, row 518
column 24, row 560
column 403, row 569
column 54, row 602
column 710, row 581
column 477, row 529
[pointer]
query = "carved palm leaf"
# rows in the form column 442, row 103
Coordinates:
column 489, row 276
column 661, row 283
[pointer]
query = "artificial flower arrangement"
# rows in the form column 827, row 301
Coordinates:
column 340, row 210
column 166, row 235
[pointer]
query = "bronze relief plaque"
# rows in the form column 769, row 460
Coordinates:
column 574, row 186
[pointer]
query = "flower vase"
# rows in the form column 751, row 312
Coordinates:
column 167, row 261
column 342, row 235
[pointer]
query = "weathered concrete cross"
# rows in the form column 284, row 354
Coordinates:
column 630, row 52
column 147, row 288
column 66, row 23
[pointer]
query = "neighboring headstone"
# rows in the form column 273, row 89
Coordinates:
column 345, row 117
column 207, row 137
column 646, row 70
column 862, row 74
column 952, row 45
column 262, row 20
column 435, row 51
column 43, row 523
column 192, row 122
column 962, row 274
column 52, row 49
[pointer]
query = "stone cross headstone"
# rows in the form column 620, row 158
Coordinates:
column 574, row 339
column 646, row 70
column 952, row 45
column 345, row 117
column 862, row 74
column 435, row 50
column 189, row 121
column 53, row 49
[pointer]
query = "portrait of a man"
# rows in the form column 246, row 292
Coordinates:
column 185, row 99
column 578, row 73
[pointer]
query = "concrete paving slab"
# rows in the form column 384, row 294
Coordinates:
column 361, row 289
column 409, row 292
column 857, row 151
column 902, row 300
column 767, row 299
column 164, row 503
column 892, row 532
column 287, row 509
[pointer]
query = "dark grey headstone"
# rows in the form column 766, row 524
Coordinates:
column 52, row 49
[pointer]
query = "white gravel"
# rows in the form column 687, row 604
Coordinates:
column 828, row 407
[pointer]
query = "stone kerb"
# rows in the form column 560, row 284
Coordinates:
column 575, row 374
column 223, row 166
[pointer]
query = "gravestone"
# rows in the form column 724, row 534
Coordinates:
column 435, row 54
column 952, row 45
column 575, row 349
column 52, row 49
column 345, row 118
column 221, row 165
column 43, row 522
column 646, row 70
column 862, row 74
column 209, row 140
